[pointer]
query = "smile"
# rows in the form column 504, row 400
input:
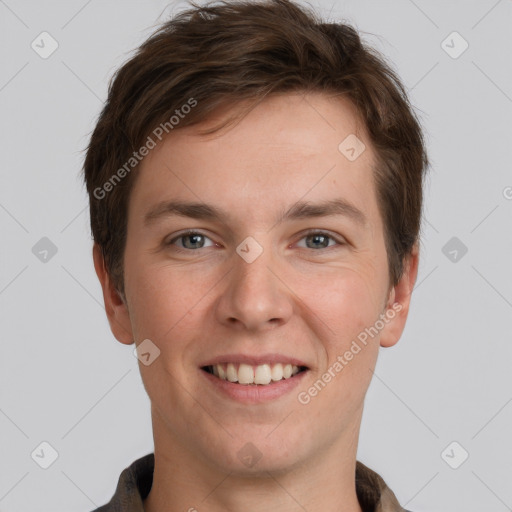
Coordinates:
column 263, row 374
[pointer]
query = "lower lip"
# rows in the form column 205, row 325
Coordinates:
column 255, row 393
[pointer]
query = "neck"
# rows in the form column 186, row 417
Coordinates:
column 182, row 481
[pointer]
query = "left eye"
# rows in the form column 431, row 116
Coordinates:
column 319, row 239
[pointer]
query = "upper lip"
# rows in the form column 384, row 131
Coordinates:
column 254, row 360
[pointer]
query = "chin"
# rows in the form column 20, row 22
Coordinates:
column 258, row 454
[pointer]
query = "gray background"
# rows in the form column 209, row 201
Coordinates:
column 65, row 380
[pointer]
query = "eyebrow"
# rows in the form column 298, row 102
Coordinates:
column 299, row 210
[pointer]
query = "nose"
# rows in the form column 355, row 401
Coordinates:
column 255, row 295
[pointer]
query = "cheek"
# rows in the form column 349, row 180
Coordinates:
column 163, row 312
column 160, row 298
column 346, row 301
column 347, row 306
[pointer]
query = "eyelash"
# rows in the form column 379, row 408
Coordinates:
column 339, row 241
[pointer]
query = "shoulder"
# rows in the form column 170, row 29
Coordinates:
column 133, row 486
column 373, row 493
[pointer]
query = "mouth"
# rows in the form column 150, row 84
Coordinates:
column 254, row 375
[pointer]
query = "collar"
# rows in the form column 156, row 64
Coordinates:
column 135, row 483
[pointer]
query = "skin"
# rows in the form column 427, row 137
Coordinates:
column 307, row 302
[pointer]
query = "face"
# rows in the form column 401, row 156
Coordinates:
column 260, row 283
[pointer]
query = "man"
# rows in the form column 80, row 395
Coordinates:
column 255, row 183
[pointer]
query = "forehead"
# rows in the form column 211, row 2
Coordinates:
column 289, row 147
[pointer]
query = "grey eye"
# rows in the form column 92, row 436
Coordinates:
column 196, row 241
column 318, row 240
column 191, row 240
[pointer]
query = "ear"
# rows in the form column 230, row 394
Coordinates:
column 115, row 306
column 399, row 301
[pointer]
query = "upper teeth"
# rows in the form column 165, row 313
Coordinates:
column 247, row 374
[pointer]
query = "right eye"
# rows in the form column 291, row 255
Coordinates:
column 190, row 240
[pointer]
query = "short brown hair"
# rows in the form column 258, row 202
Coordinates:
column 217, row 54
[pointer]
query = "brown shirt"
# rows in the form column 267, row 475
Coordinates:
column 135, row 483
